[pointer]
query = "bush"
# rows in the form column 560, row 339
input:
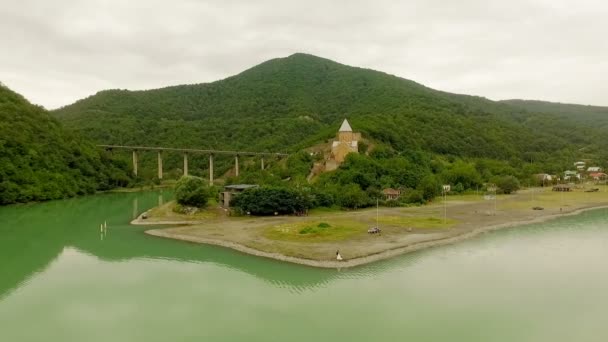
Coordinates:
column 268, row 200
column 315, row 230
column 508, row 184
column 192, row 191
column 430, row 187
column 351, row 196
column 392, row 203
column 323, row 199
column 459, row 188
column 414, row 197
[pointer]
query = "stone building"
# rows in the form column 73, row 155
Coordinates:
column 347, row 142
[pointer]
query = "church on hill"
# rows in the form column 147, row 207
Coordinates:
column 347, row 142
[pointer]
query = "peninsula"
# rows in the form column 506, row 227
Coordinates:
column 404, row 230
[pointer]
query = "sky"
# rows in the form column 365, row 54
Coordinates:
column 56, row 52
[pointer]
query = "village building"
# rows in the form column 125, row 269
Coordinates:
column 391, row 194
column 594, row 169
column 347, row 142
column 598, row 176
column 231, row 191
column 580, row 165
column 544, row 178
column 568, row 175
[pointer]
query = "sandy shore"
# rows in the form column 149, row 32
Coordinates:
column 381, row 251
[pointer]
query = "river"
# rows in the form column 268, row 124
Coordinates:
column 61, row 279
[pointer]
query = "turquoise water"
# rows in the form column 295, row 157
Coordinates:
column 61, row 280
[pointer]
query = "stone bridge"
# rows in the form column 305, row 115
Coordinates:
column 186, row 151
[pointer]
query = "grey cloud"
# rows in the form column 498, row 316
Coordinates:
column 55, row 52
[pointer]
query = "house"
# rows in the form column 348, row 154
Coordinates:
column 231, row 191
column 580, row 165
column 347, row 142
column 391, row 194
column 562, row 188
column 571, row 174
column 544, row 178
column 598, row 175
column 594, row 169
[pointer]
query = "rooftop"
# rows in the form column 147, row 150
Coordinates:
column 345, row 126
column 241, row 186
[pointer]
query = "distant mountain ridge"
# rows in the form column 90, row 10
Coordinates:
column 289, row 103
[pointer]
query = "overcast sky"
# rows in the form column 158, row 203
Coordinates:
column 55, row 52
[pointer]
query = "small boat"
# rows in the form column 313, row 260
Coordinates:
column 376, row 229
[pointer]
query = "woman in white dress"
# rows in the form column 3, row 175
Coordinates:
column 338, row 256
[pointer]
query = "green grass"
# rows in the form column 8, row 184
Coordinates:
column 552, row 199
column 324, row 210
column 316, row 231
column 417, row 222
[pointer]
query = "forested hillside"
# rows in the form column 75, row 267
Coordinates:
column 289, row 103
column 40, row 160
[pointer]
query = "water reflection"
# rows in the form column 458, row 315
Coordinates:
column 32, row 236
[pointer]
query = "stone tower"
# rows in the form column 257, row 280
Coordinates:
column 347, row 142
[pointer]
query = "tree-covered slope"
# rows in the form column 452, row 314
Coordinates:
column 288, row 103
column 41, row 160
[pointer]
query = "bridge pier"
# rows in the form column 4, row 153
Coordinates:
column 211, row 169
column 135, row 162
column 160, row 166
column 135, row 153
column 236, row 164
column 185, row 164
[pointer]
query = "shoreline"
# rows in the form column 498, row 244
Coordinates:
column 358, row 261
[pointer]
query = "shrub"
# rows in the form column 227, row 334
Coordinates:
column 414, row 197
column 268, row 200
column 351, row 196
column 459, row 188
column 430, row 187
column 323, row 199
column 314, row 230
column 507, row 184
column 192, row 191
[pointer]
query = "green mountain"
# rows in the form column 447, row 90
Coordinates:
column 41, row 160
column 289, row 103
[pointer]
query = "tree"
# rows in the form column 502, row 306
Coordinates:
column 192, row 191
column 269, row 200
column 351, row 196
column 508, row 184
column 430, row 187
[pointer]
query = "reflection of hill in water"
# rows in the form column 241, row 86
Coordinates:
column 32, row 236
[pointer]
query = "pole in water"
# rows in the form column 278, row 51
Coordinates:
column 101, row 228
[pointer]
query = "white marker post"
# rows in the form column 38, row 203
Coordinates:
column 446, row 189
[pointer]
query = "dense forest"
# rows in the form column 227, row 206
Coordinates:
column 289, row 103
column 40, row 160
